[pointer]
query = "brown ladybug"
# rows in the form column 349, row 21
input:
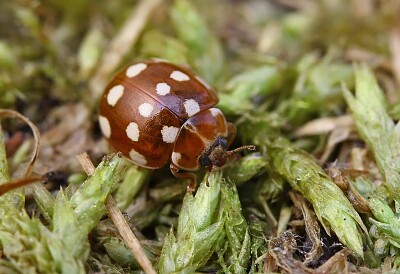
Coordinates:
column 155, row 111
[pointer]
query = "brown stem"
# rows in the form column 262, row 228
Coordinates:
column 10, row 185
column 130, row 239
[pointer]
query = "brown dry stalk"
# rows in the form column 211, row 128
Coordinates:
column 118, row 219
column 129, row 237
column 11, row 185
column 86, row 163
column 9, row 113
column 26, row 178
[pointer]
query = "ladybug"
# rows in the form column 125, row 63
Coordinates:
column 155, row 112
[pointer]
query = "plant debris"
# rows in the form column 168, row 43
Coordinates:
column 314, row 86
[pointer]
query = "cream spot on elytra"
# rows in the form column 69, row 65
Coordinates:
column 163, row 89
column 191, row 107
column 146, row 109
column 179, row 76
column 215, row 111
column 137, row 157
column 105, row 126
column 135, row 69
column 176, row 156
column 132, row 131
column 114, row 94
column 169, row 134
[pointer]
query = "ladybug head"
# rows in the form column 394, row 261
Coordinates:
column 216, row 155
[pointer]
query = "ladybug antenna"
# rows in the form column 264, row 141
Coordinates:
column 248, row 147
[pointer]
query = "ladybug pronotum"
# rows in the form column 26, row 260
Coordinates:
column 156, row 111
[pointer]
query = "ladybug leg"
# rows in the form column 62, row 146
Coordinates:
column 192, row 185
column 184, row 175
column 210, row 168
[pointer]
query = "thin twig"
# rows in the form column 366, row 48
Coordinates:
column 86, row 163
column 27, row 178
column 9, row 113
column 130, row 239
column 122, row 225
column 11, row 185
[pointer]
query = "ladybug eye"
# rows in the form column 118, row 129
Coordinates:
column 205, row 160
